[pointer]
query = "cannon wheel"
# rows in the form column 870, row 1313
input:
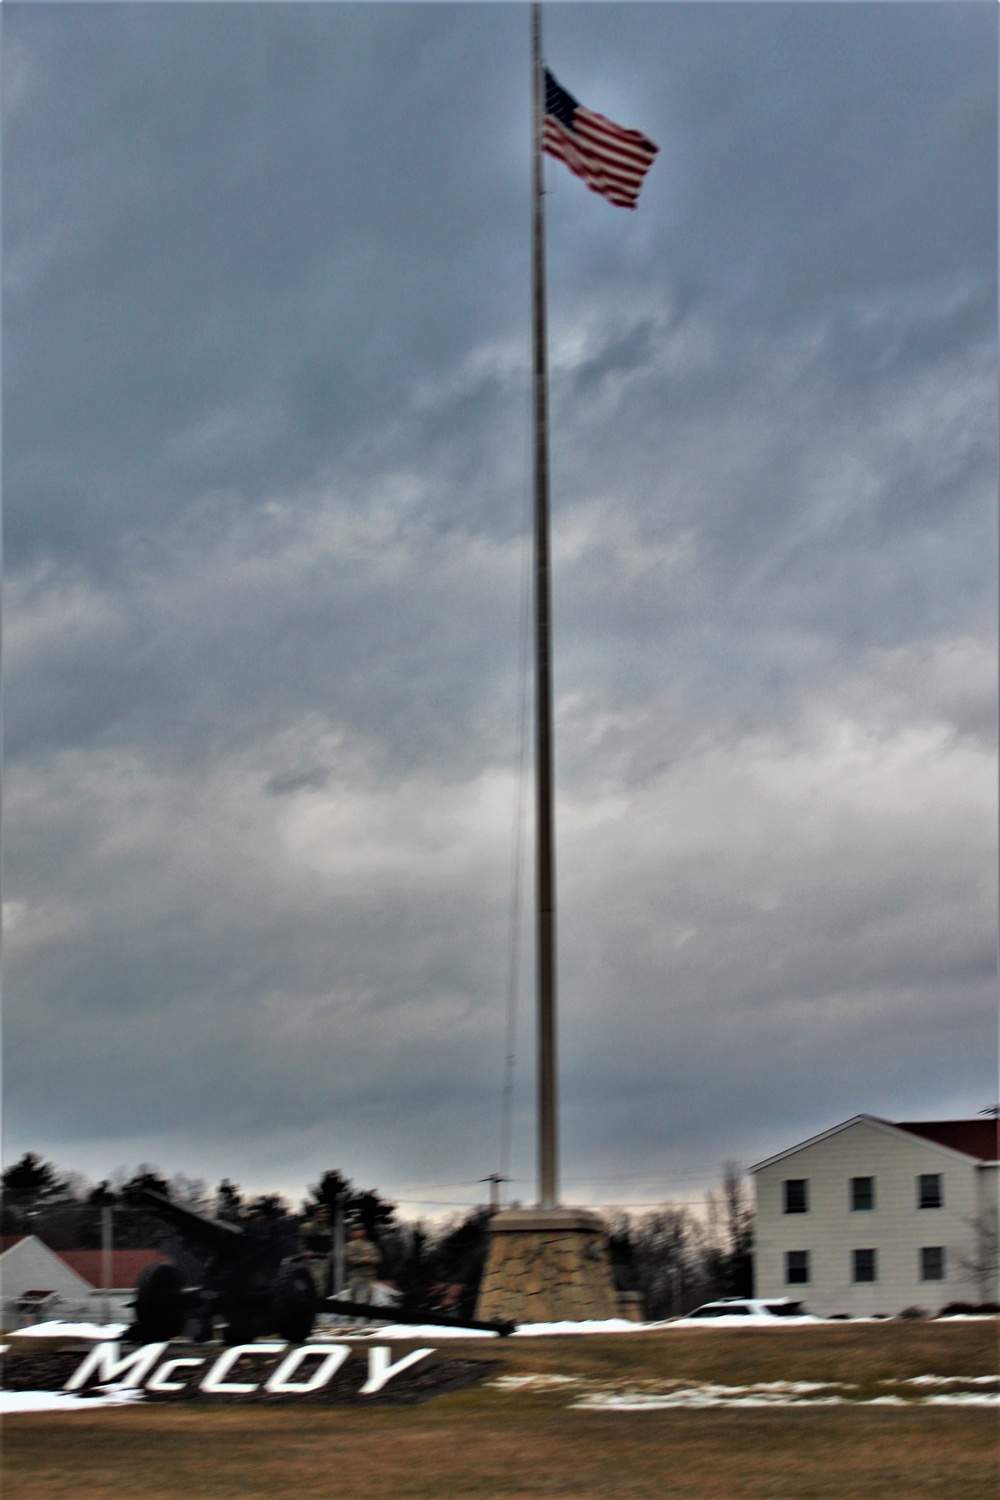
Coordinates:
column 294, row 1304
column 243, row 1322
column 160, row 1307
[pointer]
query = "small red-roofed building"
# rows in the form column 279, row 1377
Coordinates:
column 125, row 1269
column 31, row 1273
column 873, row 1217
column 67, row 1283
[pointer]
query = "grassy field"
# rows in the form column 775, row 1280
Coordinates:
column 532, row 1440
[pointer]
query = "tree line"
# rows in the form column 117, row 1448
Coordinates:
column 673, row 1257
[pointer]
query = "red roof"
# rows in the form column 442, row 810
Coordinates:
column 126, row 1265
column 979, row 1138
column 7, row 1240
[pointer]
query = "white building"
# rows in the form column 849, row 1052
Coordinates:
column 34, row 1278
column 873, row 1217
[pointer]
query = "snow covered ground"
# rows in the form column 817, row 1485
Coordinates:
column 918, row 1390
column 670, row 1396
column 395, row 1331
column 771, row 1393
column 546, row 1330
column 745, row 1320
column 57, row 1330
column 526, row 1330
column 674, row 1395
column 13, row 1403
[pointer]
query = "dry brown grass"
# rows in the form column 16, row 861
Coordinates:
column 485, row 1442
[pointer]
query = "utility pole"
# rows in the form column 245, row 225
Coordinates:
column 107, row 1243
column 494, row 1180
column 338, row 1246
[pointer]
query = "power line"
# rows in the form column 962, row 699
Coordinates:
column 614, row 1177
column 631, row 1203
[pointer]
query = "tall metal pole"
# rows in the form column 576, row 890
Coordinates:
column 338, row 1246
column 545, row 853
column 107, row 1245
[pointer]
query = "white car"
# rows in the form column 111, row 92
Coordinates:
column 748, row 1311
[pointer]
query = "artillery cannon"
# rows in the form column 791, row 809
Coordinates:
column 250, row 1277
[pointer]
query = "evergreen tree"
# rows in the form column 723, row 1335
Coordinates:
column 137, row 1226
column 267, row 1208
column 228, row 1202
column 30, row 1188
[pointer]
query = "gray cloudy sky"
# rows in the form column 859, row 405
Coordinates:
column 266, row 468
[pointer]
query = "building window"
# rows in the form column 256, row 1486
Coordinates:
column 862, row 1192
column 866, row 1265
column 796, row 1195
column 930, row 1190
column 796, row 1267
column 932, row 1263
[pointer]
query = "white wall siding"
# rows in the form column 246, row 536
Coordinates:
column 895, row 1228
column 31, row 1266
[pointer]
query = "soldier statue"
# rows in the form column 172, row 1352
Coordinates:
column 315, row 1244
column 361, row 1259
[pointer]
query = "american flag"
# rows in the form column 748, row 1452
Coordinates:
column 610, row 159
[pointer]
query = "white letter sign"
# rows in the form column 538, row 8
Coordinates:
column 380, row 1371
column 216, row 1381
column 104, row 1360
column 330, row 1361
column 159, row 1381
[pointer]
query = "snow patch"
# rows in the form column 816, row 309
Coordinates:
column 524, row 1331
column 772, row 1393
column 742, row 1320
column 690, row 1398
column 416, row 1331
column 532, row 1382
column 962, row 1398
column 946, row 1380
column 12, row 1403
column 57, row 1330
column 598, row 1325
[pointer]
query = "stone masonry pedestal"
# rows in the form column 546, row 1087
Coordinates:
column 547, row 1266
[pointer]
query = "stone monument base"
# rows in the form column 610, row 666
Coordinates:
column 547, row 1266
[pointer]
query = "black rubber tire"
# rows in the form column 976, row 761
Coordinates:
column 293, row 1304
column 241, row 1328
column 160, row 1306
column 200, row 1329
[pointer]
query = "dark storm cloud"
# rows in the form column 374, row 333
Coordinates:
column 266, row 469
column 215, row 203
column 241, row 248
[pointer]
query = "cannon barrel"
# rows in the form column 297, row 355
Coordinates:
column 502, row 1326
column 212, row 1233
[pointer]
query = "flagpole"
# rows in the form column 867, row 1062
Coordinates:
column 545, row 894
column 533, row 1275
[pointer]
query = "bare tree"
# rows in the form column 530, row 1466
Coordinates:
column 739, row 1231
column 669, row 1254
column 982, row 1265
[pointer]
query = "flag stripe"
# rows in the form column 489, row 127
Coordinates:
column 601, row 182
column 600, row 162
column 637, row 150
column 611, row 160
column 620, row 183
column 612, row 132
column 558, row 142
column 613, row 163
